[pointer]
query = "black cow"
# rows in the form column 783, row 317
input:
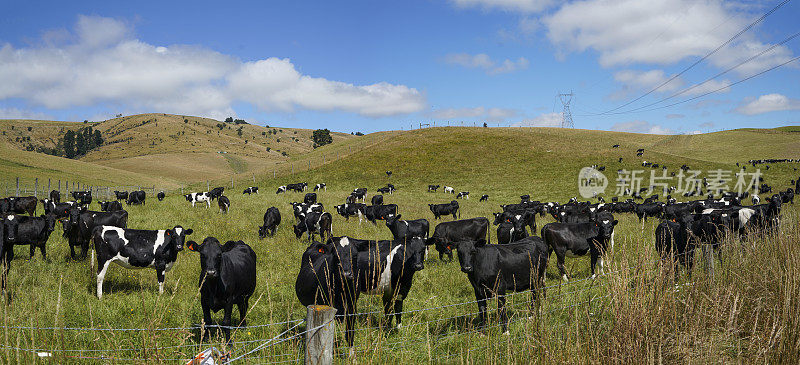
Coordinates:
column 310, row 198
column 447, row 234
column 511, row 230
column 439, row 210
column 60, row 210
column 326, row 278
column 160, row 196
column 272, row 218
column 85, row 197
column 527, row 217
column 387, row 268
column 110, row 206
column 484, row 197
column 216, row 192
column 578, row 239
column 227, row 277
column 498, row 269
column 224, row 204
column 388, row 174
column 321, row 186
column 377, row 199
column 649, row 210
column 55, row 196
column 674, row 243
column 385, row 190
column 32, row 231
column 136, row 197
column 433, row 188
column 18, row 205
column 250, row 190
column 78, row 227
column 281, row 189
column 6, row 253
column 787, row 196
column 315, row 222
column 406, row 229
column 347, row 210
column 136, row 249
column 379, row 212
column 121, row 195
column 359, row 194
column 615, row 146
column 297, row 187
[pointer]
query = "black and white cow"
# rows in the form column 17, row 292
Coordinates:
column 110, row 205
column 578, row 239
column 160, row 196
column 85, row 197
column 406, row 229
column 498, row 269
column 348, row 210
column 250, row 190
column 297, row 187
column 199, row 198
column 281, row 189
column 447, row 234
column 224, row 204
column 439, row 210
column 315, row 222
column 360, row 194
column 300, row 210
column 272, row 218
column 376, row 199
column 310, row 198
column 433, row 188
column 78, row 228
column 227, row 277
column 511, row 230
column 136, row 249
column 387, row 268
column 463, row 194
column 121, row 195
column 484, row 197
column 388, row 174
column 55, row 196
column 60, row 210
column 449, row 190
column 216, row 192
column 321, row 186
column 379, row 212
column 32, row 231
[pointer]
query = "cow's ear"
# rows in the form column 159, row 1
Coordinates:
column 192, row 246
column 615, row 222
column 189, row 231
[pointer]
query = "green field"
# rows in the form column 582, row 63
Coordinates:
column 746, row 311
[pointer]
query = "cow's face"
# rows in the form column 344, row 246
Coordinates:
column 50, row 219
column 467, row 251
column 298, row 231
column 10, row 226
column 178, row 235
column 74, row 217
column 262, row 232
column 210, row 256
column 415, row 253
column 605, row 224
column 344, row 253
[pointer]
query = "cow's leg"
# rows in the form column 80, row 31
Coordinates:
column 388, row 299
column 243, row 312
column 449, row 255
column 160, row 277
column 398, row 310
column 501, row 307
column 84, row 249
column 480, row 297
column 43, row 248
column 72, row 251
column 560, row 264
column 595, row 255
column 33, row 250
column 226, row 320
column 101, row 275
column 206, row 316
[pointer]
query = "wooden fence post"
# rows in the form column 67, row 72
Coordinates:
column 231, row 181
column 319, row 341
column 208, row 186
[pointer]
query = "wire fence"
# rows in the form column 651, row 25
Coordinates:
column 41, row 188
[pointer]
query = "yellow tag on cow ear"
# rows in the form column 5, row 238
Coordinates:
column 321, row 250
column 167, row 233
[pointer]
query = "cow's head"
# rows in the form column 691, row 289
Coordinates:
column 50, row 219
column 262, row 232
column 299, row 229
column 344, row 255
column 414, row 254
column 467, row 251
column 391, row 219
column 10, row 224
column 605, row 223
column 210, row 257
column 178, row 235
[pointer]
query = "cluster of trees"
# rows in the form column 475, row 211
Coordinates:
column 321, row 137
column 235, row 121
column 78, row 143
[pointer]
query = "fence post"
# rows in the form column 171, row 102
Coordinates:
column 59, row 186
column 273, row 173
column 231, row 181
column 36, row 187
column 319, row 341
column 292, row 168
column 17, row 187
column 254, row 178
column 208, row 186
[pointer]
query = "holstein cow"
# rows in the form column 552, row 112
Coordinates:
column 136, row 249
column 121, row 195
column 351, row 209
column 449, row 190
column 160, row 196
column 402, row 230
column 227, row 277
column 463, row 194
column 224, row 204
column 85, row 197
column 110, row 206
column 379, row 212
column 447, row 234
column 387, row 268
column 250, row 190
column 498, row 269
column 510, row 230
column 578, row 239
column 198, row 197
column 55, row 196
column 281, row 189
column 60, row 210
column 433, row 188
column 272, row 218
column 360, row 194
column 315, row 222
column 321, row 187
column 32, row 231
column 301, row 209
column 439, row 210
column 216, row 192
column 326, row 278
column 484, row 197
column 376, row 199
column 78, row 228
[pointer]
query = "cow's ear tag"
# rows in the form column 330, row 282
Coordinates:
column 321, row 250
column 167, row 233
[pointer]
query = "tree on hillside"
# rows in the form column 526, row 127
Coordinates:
column 321, row 137
column 69, row 144
column 80, row 144
column 98, row 139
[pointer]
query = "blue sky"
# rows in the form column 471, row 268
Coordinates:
column 371, row 65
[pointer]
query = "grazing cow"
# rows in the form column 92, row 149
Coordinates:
column 160, row 196
column 136, row 249
column 385, row 190
column 498, row 269
column 360, row 193
column 377, row 199
column 578, row 239
column 301, row 209
column 136, row 197
column 388, row 174
column 615, row 146
column 640, row 150
column 639, row 154
column 281, row 189
column 224, row 203
column 121, row 195
column 216, row 192
column 19, row 205
column 439, row 210
column 110, row 206
column 379, row 212
column 85, row 197
column 645, row 210
column 310, row 198
column 297, row 187
column 272, row 218
column 387, row 268
column 315, row 222
column 55, row 196
column 402, row 230
column 32, row 231
column 352, row 209
column 510, row 231
column 449, row 190
column 78, row 228
column 756, row 199
column 227, row 277
column 321, row 187
column 463, row 194
column 447, row 234
column 199, row 197
column 326, row 277
column 484, row 197
column 433, row 188
column 250, row 190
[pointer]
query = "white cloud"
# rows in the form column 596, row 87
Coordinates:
column 675, row 116
column 523, row 6
column 486, row 63
column 489, row 114
column 104, row 64
column 14, row 113
column 543, row 120
column 641, row 126
column 635, row 82
column 768, row 103
column 658, row 32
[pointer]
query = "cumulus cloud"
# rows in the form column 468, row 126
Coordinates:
column 524, row 6
column 489, row 114
column 14, row 113
column 486, row 63
column 658, row 32
column 768, row 103
column 103, row 63
column 635, row 82
column 543, row 120
column 641, row 126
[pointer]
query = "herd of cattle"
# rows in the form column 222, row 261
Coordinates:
column 337, row 270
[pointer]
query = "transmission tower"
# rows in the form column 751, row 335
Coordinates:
column 566, row 115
